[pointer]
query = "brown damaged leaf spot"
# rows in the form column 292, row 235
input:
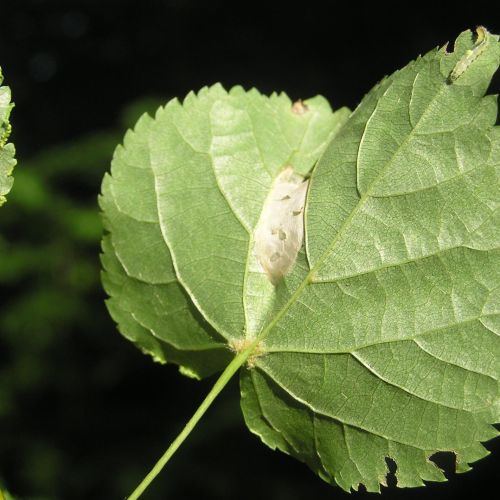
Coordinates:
column 300, row 107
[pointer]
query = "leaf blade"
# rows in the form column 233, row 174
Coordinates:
column 383, row 341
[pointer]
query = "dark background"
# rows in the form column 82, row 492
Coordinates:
column 83, row 414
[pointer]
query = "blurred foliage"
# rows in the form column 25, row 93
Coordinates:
column 48, row 242
column 49, row 252
column 5, row 495
column 49, row 273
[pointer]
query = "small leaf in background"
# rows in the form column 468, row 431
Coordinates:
column 7, row 151
column 381, row 342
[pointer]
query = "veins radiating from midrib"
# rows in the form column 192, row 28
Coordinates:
column 267, row 168
column 342, row 421
column 309, row 279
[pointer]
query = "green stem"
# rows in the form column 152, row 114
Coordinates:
column 221, row 382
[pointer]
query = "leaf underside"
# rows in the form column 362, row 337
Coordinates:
column 383, row 341
column 7, row 151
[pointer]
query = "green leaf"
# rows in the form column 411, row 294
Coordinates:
column 5, row 495
column 7, row 151
column 383, row 339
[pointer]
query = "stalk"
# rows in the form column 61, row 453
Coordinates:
column 221, row 382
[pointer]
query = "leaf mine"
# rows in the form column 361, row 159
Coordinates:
column 280, row 231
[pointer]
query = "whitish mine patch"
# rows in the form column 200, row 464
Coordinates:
column 280, row 230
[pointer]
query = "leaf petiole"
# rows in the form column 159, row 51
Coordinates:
column 221, row 382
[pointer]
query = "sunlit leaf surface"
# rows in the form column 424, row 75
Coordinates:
column 383, row 339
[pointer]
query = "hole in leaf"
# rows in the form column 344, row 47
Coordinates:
column 361, row 488
column 446, row 461
column 391, row 474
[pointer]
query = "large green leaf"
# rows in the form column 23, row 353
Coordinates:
column 383, row 339
column 7, row 151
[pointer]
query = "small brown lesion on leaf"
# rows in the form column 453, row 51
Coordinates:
column 239, row 345
column 299, row 107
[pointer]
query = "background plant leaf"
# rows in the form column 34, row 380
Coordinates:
column 383, row 341
column 7, row 150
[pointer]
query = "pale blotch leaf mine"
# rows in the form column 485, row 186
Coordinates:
column 280, row 230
